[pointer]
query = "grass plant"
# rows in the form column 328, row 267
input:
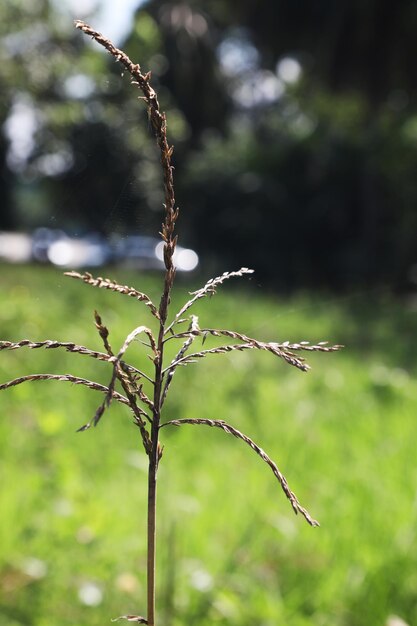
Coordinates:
column 168, row 341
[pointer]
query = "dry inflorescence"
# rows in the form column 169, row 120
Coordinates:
column 145, row 392
column 106, row 283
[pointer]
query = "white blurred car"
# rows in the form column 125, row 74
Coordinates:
column 148, row 253
column 47, row 245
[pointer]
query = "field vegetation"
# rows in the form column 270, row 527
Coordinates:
column 230, row 551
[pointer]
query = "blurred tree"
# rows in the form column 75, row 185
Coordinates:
column 191, row 70
column 71, row 147
column 367, row 46
column 323, row 97
column 37, row 57
column 295, row 125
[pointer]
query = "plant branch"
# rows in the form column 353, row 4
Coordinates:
column 322, row 346
column 76, row 380
column 227, row 428
column 127, row 381
column 158, row 123
column 208, row 290
column 107, row 283
column 116, row 361
column 191, row 338
column 288, row 357
column 131, row 618
column 282, row 350
column 69, row 347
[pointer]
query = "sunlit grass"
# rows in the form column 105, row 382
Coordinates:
column 230, row 550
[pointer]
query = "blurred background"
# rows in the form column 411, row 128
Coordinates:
column 295, row 134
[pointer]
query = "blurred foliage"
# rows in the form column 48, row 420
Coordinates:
column 308, row 177
column 310, row 196
column 81, row 141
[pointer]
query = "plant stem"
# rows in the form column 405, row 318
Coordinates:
column 156, row 451
column 153, row 466
column 154, row 456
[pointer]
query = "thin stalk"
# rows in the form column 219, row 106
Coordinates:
column 155, row 454
column 151, row 538
column 152, row 475
column 156, row 451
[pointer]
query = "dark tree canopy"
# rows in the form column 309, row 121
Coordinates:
column 309, row 176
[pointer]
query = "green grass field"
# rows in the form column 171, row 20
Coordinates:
column 230, row 551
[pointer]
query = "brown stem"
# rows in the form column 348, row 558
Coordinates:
column 154, row 456
column 151, row 538
column 156, row 450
